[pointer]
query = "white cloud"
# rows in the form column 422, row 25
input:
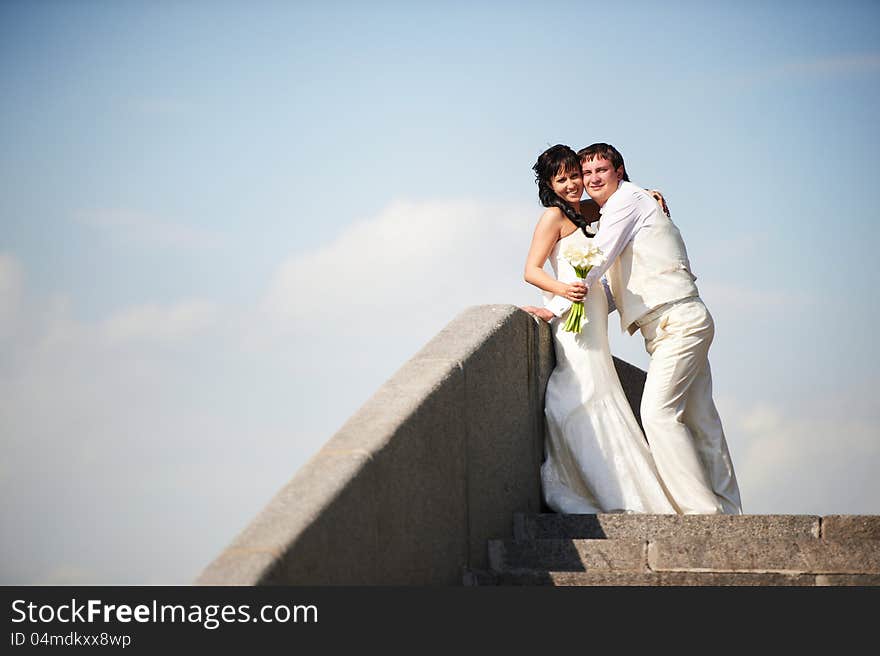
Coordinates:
column 132, row 226
column 817, row 458
column 733, row 297
column 162, row 323
column 416, row 264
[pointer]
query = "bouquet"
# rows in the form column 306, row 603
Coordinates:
column 583, row 258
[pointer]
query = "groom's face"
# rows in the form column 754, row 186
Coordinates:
column 600, row 178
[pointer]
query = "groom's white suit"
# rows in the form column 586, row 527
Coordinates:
column 650, row 278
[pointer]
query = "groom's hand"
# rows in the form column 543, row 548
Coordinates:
column 661, row 201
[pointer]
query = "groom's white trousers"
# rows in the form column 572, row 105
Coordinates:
column 679, row 417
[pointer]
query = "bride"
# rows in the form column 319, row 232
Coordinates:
column 596, row 458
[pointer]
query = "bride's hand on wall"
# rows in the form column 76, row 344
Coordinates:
column 541, row 313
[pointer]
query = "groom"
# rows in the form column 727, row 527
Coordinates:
column 650, row 279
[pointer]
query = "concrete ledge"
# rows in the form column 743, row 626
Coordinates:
column 411, row 488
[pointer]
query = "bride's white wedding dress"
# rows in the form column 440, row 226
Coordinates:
column 596, row 458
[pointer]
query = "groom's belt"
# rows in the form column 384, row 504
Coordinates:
column 654, row 314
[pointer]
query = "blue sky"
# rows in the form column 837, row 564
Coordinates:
column 224, row 225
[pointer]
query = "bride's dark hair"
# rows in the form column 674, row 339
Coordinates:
column 552, row 161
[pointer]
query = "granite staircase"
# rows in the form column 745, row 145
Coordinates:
column 669, row 550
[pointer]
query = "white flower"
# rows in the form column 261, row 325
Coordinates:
column 583, row 256
column 595, row 257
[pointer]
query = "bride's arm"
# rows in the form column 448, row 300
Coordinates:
column 545, row 236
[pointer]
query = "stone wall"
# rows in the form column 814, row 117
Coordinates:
column 413, row 486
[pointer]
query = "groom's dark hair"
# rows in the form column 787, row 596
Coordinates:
column 604, row 151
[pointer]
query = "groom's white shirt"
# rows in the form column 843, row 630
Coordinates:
column 662, row 271
column 625, row 212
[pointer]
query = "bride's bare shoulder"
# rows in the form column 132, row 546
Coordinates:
column 552, row 216
column 553, row 212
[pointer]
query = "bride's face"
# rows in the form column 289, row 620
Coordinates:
column 568, row 185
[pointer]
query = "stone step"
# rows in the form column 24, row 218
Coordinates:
column 619, row 578
column 577, row 579
column 801, row 555
column 649, row 527
column 866, row 527
column 570, row 555
column 599, row 578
